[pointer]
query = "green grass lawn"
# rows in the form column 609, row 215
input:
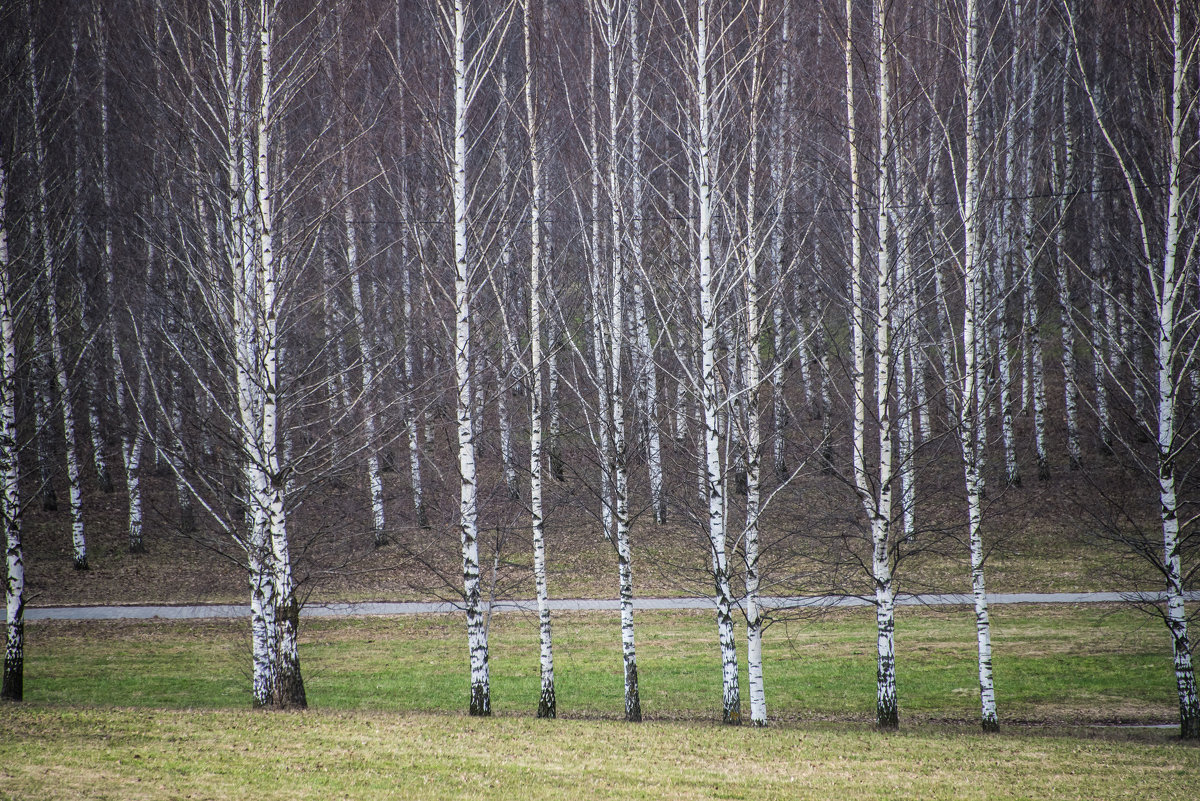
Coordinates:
column 159, row 710
column 1073, row 664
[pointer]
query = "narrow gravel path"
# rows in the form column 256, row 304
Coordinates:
column 204, row 611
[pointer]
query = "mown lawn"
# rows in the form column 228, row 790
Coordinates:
column 158, row 710
column 51, row 752
column 1055, row 664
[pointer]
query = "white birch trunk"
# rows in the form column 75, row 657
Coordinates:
column 1170, row 293
column 887, row 707
column 1002, row 339
column 1101, row 302
column 409, row 358
column 242, row 225
column 596, row 312
column 119, row 378
column 289, row 686
column 95, row 427
column 507, row 369
column 857, row 312
column 615, row 408
column 367, row 356
column 12, row 688
column 66, row 401
column 412, row 417
column 753, row 380
column 481, row 703
column 43, row 403
column 780, row 352
column 971, row 402
column 49, row 282
column 133, row 483
column 547, row 703
column 645, row 369
column 1172, row 352
column 907, row 405
column 1033, row 338
column 710, row 381
column 1064, row 182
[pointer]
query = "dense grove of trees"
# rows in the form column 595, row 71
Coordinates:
column 685, row 256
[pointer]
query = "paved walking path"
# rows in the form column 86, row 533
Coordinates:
column 576, row 604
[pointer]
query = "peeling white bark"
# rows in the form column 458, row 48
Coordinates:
column 880, row 511
column 477, row 643
column 10, row 501
column 715, row 484
column 547, row 702
column 49, row 282
column 1032, row 323
column 971, row 401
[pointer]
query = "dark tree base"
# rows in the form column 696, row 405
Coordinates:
column 481, row 701
column 547, row 705
column 633, row 698
column 187, row 519
column 13, row 688
column 887, row 718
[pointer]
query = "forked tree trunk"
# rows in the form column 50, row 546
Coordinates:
column 615, row 409
column 715, row 484
column 753, row 381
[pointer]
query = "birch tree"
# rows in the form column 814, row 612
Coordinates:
column 1064, row 177
column 1160, row 192
column 547, row 703
column 752, row 247
column 1030, row 62
column 873, row 481
column 91, row 381
column 705, row 170
column 971, row 400
column 235, row 259
column 130, row 432
column 610, row 29
column 367, row 363
column 10, row 502
column 879, row 507
column 49, row 271
column 469, row 77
